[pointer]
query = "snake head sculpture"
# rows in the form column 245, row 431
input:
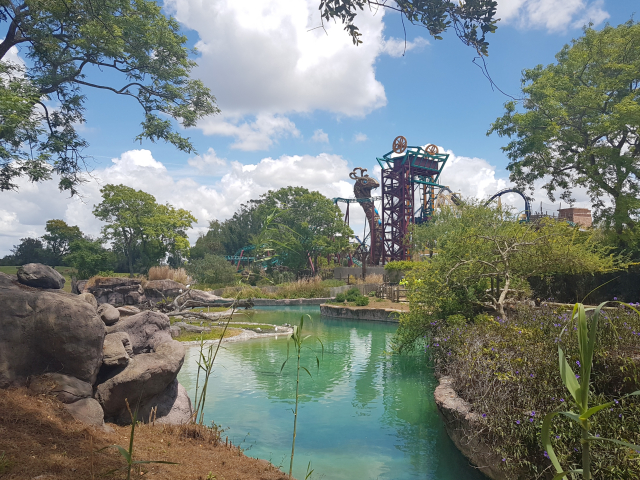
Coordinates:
column 364, row 183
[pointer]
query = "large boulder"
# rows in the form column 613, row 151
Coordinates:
column 115, row 290
column 108, row 313
column 171, row 406
column 158, row 290
column 68, row 389
column 90, row 299
column 128, row 310
column 40, row 276
column 117, row 349
column 87, row 410
column 146, row 330
column 146, row 375
column 47, row 331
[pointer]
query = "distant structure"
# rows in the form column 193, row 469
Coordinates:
column 579, row 216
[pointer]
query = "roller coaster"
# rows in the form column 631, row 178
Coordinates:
column 411, row 192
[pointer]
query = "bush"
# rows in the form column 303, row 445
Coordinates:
column 341, row 297
column 212, row 270
column 353, row 294
column 508, row 371
column 362, row 301
column 165, row 272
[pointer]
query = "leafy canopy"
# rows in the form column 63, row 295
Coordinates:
column 579, row 124
column 135, row 222
column 471, row 19
column 127, row 47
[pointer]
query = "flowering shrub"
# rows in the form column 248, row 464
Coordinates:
column 508, row 371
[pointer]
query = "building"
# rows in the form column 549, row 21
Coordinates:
column 579, row 216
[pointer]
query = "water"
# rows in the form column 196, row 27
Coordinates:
column 363, row 415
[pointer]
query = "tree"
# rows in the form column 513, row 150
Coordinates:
column 299, row 225
column 29, row 250
column 59, row 237
column 471, row 19
column 483, row 257
column 137, row 224
column 89, row 257
column 211, row 270
column 127, row 47
column 580, row 124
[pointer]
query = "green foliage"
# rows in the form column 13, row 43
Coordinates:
column 341, row 297
column 126, row 47
column 362, row 301
column 211, row 270
column 59, row 237
column 474, row 244
column 579, row 387
column 507, row 369
column 471, row 20
column 298, row 341
column 579, row 125
column 352, row 294
column 29, row 250
column 400, row 266
column 138, row 225
column 89, row 258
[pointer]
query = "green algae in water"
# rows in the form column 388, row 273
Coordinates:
column 364, row 415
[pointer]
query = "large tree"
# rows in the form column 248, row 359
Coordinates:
column 135, row 223
column 127, row 47
column 471, row 19
column 59, row 236
column 578, row 124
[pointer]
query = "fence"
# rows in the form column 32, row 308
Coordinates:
column 395, row 293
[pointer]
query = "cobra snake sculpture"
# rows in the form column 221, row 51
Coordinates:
column 362, row 189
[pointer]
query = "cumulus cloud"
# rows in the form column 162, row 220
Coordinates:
column 360, row 137
column 208, row 163
column 397, row 47
column 551, row 14
column 320, row 136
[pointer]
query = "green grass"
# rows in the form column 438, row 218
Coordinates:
column 65, row 271
column 211, row 309
column 214, row 334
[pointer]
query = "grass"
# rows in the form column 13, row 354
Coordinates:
column 165, row 272
column 41, row 440
column 214, row 334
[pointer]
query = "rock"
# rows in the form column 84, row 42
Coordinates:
column 146, row 330
column 205, row 297
column 90, row 299
column 462, row 425
column 146, row 375
column 117, row 349
column 108, row 313
column 117, row 291
column 158, row 290
column 175, row 331
column 45, row 331
column 86, row 410
column 68, row 389
column 190, row 328
column 128, row 310
column 40, row 276
column 173, row 406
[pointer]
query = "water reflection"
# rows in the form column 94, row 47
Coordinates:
column 364, row 414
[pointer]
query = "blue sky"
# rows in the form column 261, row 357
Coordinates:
column 304, row 108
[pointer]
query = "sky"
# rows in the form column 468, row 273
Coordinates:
column 303, row 106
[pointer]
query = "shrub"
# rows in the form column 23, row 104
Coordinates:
column 508, row 371
column 341, row 297
column 353, row 294
column 304, row 288
column 362, row 301
column 212, row 270
column 165, row 272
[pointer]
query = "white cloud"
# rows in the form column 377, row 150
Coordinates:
column 360, row 137
column 552, row 14
column 397, row 47
column 208, row 163
column 13, row 56
column 320, row 136
column 251, row 136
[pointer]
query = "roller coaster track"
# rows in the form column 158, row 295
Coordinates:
column 527, row 201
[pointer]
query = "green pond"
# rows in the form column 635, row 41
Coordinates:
column 364, row 414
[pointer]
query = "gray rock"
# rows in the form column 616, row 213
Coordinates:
column 173, row 406
column 175, row 331
column 158, row 290
column 115, row 349
column 90, row 299
column 67, row 389
column 191, row 328
column 40, row 276
column 146, row 330
column 108, row 313
column 147, row 375
column 115, row 290
column 47, row 331
column 128, row 310
column 86, row 410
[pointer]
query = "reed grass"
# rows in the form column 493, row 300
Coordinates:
column 165, row 272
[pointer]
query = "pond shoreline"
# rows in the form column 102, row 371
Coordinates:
column 370, row 314
column 245, row 335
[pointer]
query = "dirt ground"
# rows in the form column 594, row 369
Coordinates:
column 40, row 440
column 385, row 304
